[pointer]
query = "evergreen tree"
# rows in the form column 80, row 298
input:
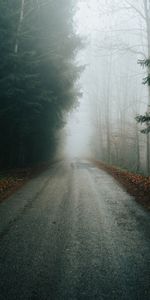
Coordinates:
column 145, row 119
column 37, row 77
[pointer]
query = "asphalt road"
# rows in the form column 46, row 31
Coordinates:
column 73, row 233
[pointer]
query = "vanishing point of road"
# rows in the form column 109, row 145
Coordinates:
column 73, row 233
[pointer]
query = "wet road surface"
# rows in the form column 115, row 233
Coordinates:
column 73, row 233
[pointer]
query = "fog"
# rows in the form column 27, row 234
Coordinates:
column 104, row 125
column 79, row 130
column 71, row 81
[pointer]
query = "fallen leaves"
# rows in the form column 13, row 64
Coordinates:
column 11, row 180
column 137, row 185
column 10, row 183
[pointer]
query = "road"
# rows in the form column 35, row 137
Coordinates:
column 73, row 233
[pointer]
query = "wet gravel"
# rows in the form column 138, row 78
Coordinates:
column 73, row 233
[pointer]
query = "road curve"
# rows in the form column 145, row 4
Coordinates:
column 73, row 233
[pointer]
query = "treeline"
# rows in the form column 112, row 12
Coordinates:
column 121, row 87
column 37, row 77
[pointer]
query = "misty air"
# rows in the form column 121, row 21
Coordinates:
column 75, row 149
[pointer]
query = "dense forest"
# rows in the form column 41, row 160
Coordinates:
column 38, row 76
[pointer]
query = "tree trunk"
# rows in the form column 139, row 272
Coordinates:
column 107, row 111
column 19, row 26
column 137, row 150
column 147, row 19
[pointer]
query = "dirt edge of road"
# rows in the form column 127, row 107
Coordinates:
column 13, row 179
column 136, row 185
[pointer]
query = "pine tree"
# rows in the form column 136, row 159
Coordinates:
column 146, row 117
column 37, row 77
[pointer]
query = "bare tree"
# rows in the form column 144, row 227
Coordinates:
column 145, row 16
column 19, row 25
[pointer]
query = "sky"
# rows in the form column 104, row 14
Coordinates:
column 78, row 128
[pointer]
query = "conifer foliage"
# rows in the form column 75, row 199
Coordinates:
column 37, row 77
column 145, row 119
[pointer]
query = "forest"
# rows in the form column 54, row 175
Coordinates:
column 42, row 77
column 38, row 76
column 117, row 82
column 74, row 149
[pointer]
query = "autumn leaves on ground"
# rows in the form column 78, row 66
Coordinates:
column 12, row 180
column 136, row 185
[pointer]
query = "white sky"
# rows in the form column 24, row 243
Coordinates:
column 79, row 127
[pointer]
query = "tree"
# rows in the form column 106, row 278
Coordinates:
column 37, row 77
column 137, row 47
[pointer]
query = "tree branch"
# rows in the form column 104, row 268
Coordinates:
column 136, row 9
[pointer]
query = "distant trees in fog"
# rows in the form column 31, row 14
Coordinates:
column 120, row 95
